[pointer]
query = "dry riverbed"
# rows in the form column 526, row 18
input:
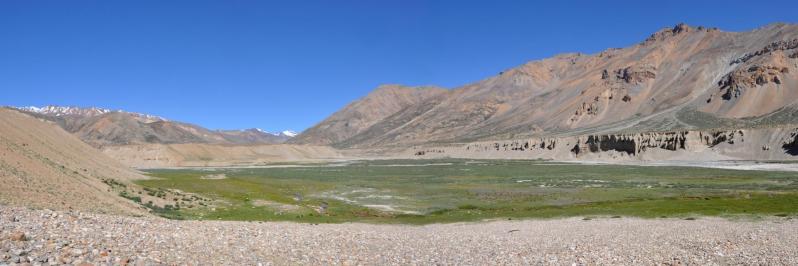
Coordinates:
column 43, row 237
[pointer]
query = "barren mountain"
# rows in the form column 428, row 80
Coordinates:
column 103, row 127
column 254, row 136
column 680, row 78
column 363, row 114
column 46, row 167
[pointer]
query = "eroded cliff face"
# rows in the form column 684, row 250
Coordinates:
column 748, row 144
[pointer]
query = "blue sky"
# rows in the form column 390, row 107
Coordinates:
column 289, row 64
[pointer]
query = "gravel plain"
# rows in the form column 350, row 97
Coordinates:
column 44, row 237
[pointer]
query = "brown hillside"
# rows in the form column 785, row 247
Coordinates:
column 681, row 77
column 364, row 113
column 44, row 166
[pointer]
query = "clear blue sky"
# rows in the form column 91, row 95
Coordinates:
column 289, row 64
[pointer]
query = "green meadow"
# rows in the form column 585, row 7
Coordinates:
column 454, row 190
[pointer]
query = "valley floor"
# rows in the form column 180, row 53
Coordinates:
column 52, row 237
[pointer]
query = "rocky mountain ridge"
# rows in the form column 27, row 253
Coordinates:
column 365, row 113
column 680, row 78
column 103, row 127
column 76, row 112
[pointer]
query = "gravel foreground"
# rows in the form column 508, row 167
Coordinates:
column 43, row 237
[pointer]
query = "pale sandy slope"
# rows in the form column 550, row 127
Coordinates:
column 43, row 166
column 198, row 154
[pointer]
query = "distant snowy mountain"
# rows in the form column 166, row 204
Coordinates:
column 254, row 135
column 53, row 110
column 284, row 133
column 65, row 110
column 100, row 127
column 289, row 133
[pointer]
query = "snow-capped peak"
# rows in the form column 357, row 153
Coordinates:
column 53, row 110
column 285, row 133
column 65, row 110
column 289, row 133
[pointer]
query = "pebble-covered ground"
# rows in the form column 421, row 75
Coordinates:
column 43, row 237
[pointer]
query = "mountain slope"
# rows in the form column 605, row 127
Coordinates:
column 679, row 78
column 364, row 113
column 254, row 136
column 44, row 166
column 103, row 127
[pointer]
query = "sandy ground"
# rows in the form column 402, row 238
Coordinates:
column 725, row 164
column 728, row 164
column 736, row 165
column 72, row 237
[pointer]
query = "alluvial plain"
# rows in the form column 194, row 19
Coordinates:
column 453, row 190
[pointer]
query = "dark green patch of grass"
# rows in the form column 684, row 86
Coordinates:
column 127, row 195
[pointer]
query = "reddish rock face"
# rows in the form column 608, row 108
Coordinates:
column 735, row 82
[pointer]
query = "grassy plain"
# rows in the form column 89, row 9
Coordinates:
column 453, row 190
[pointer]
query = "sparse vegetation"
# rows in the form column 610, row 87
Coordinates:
column 127, row 195
column 431, row 191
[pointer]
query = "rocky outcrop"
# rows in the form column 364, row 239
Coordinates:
column 733, row 84
column 632, row 74
column 587, row 108
column 668, row 32
column 712, row 139
column 517, row 145
column 775, row 46
column 791, row 146
column 626, row 98
column 637, row 74
column 748, row 144
column 632, row 144
column 629, row 144
column 611, row 143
